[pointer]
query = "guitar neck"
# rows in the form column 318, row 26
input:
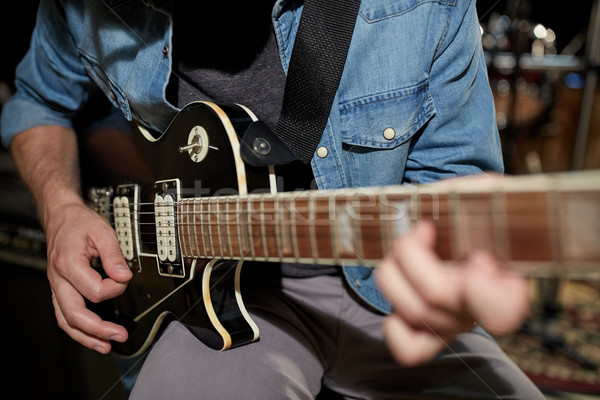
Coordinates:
column 536, row 223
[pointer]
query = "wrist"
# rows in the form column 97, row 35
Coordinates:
column 56, row 201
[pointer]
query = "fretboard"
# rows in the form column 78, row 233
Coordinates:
column 534, row 222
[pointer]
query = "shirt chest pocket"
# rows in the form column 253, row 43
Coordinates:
column 379, row 10
column 376, row 132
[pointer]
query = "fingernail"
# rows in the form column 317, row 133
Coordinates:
column 123, row 269
column 116, row 338
column 100, row 349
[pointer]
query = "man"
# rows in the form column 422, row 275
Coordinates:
column 413, row 105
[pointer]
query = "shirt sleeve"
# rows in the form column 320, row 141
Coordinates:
column 463, row 137
column 51, row 83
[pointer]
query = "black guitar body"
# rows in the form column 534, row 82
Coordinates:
column 197, row 156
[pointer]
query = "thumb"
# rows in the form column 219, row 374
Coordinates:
column 111, row 255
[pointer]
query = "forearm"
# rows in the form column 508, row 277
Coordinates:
column 47, row 159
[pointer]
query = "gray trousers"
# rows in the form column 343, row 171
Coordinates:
column 314, row 332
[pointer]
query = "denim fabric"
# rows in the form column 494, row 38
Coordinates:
column 415, row 66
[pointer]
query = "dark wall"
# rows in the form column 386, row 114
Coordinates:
column 18, row 20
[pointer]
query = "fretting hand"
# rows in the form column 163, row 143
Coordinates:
column 433, row 302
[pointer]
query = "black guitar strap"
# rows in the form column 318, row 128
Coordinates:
column 316, row 66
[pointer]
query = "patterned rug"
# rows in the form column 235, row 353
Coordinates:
column 560, row 349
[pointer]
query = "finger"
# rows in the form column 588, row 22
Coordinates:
column 76, row 270
column 497, row 299
column 82, row 324
column 408, row 346
column 430, row 290
column 435, row 283
column 70, row 257
column 100, row 345
column 410, row 306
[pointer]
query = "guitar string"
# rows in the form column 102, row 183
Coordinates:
column 375, row 211
column 366, row 199
column 481, row 222
column 271, row 225
column 300, row 215
column 302, row 228
column 270, row 209
column 529, row 222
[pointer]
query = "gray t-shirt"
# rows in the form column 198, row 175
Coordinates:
column 234, row 59
column 231, row 59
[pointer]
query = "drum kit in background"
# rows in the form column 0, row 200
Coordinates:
column 544, row 92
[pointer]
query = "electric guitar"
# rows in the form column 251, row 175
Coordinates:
column 186, row 235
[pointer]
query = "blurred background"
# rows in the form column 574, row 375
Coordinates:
column 543, row 60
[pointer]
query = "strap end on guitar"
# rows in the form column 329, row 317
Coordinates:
column 261, row 147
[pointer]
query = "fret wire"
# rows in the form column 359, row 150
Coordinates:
column 217, row 202
column 552, row 203
column 210, row 235
column 384, row 225
column 237, row 228
column 500, row 225
column 202, row 224
column 198, row 223
column 294, row 233
column 250, row 233
column 228, row 227
column 262, row 227
column 334, row 234
column 312, row 231
column 357, row 234
column 278, row 229
column 456, row 238
column 195, row 226
column 417, row 212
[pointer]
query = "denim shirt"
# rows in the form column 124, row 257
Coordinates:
column 413, row 106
